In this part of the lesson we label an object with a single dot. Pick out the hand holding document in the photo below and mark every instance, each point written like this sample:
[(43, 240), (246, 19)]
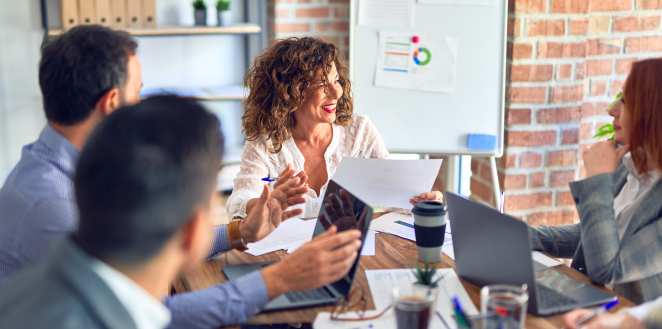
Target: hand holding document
[(387, 183)]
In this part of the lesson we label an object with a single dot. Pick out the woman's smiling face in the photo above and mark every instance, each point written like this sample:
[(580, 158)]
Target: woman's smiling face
[(321, 97)]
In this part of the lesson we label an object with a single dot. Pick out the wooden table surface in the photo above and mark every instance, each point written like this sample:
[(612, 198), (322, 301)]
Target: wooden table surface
[(391, 252)]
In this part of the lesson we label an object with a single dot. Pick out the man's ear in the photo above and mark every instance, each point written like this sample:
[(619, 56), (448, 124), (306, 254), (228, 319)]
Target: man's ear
[(196, 236), (109, 101)]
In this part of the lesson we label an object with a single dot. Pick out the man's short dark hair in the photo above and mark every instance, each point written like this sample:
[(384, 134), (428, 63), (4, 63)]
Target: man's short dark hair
[(79, 66), (142, 173)]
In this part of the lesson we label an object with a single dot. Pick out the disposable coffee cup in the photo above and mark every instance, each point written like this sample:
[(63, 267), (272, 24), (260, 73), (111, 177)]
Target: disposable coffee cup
[(430, 227)]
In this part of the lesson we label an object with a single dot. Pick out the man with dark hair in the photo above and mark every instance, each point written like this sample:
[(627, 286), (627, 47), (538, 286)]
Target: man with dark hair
[(85, 74), (144, 185)]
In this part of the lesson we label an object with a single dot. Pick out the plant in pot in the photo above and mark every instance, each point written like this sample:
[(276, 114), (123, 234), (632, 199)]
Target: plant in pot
[(224, 13), (200, 12)]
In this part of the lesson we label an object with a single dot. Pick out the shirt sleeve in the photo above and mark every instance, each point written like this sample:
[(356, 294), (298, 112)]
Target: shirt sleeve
[(220, 243), (248, 184), (46, 222), (222, 305)]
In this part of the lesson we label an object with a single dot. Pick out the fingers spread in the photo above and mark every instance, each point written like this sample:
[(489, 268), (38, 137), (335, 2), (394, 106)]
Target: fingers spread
[(291, 213)]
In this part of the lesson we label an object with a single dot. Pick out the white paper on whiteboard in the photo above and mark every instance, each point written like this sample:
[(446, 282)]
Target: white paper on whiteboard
[(393, 13), (428, 65), (387, 183), (459, 2)]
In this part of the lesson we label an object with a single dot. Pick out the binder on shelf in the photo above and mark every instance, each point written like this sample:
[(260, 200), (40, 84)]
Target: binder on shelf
[(149, 13), (69, 13), (102, 9), (86, 12), (118, 13), (134, 13)]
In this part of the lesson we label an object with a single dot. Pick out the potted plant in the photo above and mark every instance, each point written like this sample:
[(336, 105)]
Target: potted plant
[(200, 12), (608, 129), (425, 277), (224, 13)]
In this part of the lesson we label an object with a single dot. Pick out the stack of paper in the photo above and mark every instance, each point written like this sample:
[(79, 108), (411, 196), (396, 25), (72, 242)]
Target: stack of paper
[(293, 233)]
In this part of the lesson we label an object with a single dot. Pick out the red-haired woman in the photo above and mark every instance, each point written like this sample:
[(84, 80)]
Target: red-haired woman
[(619, 239), (299, 119)]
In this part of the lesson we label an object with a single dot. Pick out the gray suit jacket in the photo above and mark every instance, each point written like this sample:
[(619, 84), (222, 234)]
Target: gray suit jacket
[(635, 265), (61, 292)]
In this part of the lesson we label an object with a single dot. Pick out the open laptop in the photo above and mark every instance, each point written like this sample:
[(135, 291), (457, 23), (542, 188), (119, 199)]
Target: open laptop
[(358, 215), (491, 248)]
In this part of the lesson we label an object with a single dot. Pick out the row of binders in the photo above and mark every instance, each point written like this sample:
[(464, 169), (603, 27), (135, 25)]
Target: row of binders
[(112, 13)]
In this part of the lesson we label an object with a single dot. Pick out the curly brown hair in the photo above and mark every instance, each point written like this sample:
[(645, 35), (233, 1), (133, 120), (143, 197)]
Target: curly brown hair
[(277, 80)]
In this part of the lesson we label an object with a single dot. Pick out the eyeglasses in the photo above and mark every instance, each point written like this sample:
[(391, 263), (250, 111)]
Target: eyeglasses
[(355, 299)]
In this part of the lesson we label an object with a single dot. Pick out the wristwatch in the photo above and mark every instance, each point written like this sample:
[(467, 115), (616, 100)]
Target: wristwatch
[(236, 240)]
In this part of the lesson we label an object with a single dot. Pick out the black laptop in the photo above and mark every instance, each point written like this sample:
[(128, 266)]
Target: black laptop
[(349, 213), (492, 248)]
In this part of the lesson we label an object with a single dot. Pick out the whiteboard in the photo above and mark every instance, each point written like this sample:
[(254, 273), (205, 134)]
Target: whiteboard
[(437, 123)]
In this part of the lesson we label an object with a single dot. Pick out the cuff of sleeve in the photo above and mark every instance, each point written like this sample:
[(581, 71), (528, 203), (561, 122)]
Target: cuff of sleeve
[(241, 214), (220, 244), (596, 186), (253, 287)]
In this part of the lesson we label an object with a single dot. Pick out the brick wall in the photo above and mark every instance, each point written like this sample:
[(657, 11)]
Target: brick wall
[(567, 60), (323, 18)]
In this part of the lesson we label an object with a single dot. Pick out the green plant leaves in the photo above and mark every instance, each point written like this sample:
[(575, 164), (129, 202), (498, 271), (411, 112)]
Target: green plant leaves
[(608, 129), (424, 276)]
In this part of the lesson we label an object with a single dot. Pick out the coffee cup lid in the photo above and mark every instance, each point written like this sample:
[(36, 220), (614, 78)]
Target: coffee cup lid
[(429, 208)]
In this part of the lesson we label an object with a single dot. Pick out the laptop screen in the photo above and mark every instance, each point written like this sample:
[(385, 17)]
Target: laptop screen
[(346, 211)]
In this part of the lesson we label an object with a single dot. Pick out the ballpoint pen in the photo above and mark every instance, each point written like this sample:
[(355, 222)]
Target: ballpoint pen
[(461, 318), (271, 179), (595, 312)]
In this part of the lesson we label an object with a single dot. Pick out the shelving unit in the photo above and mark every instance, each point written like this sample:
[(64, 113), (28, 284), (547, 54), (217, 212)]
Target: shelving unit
[(239, 28)]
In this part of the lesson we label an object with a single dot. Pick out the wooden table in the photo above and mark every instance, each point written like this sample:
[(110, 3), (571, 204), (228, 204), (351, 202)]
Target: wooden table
[(391, 252)]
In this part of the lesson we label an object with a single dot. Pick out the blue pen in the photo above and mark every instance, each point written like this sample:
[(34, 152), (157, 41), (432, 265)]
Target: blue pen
[(270, 179), (461, 317), (589, 316)]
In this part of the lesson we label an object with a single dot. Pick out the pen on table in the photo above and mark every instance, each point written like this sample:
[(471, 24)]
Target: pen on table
[(462, 320), (589, 316)]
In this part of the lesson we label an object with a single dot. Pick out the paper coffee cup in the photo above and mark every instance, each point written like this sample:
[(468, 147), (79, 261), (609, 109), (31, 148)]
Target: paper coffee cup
[(430, 227)]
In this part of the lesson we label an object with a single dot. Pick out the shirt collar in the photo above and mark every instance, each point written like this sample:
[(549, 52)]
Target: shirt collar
[(145, 310), (653, 175), (66, 153)]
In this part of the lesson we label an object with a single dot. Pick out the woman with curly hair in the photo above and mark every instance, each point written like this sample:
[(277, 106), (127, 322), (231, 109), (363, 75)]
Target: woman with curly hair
[(299, 119)]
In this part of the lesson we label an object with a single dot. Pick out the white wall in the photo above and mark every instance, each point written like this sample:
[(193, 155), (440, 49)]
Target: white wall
[(195, 61)]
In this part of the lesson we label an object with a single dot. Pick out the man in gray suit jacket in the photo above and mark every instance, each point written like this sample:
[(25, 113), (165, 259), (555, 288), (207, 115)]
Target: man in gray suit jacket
[(144, 186)]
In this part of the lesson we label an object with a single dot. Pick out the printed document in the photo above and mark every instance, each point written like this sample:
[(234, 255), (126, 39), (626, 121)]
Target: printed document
[(393, 13), (387, 183), (427, 64)]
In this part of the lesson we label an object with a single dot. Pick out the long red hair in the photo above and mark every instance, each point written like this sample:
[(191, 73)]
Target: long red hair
[(643, 106)]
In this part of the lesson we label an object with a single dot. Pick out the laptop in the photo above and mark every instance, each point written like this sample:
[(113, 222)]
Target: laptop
[(358, 216), (492, 248)]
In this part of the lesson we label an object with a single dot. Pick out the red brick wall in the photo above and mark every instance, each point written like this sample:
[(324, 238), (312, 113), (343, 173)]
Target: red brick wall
[(323, 18), (567, 59)]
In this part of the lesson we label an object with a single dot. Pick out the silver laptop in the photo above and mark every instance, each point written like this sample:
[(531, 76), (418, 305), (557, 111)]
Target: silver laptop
[(491, 247), (348, 213)]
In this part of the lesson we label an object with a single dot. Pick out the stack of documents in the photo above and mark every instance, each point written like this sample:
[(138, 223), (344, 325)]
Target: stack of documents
[(403, 226), (293, 233), (381, 284)]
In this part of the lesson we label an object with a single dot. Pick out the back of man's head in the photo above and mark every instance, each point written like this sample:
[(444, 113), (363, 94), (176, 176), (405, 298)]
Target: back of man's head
[(79, 66), (142, 174)]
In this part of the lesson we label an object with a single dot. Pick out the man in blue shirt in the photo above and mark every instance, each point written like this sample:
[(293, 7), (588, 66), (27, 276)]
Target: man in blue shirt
[(86, 74), (144, 186)]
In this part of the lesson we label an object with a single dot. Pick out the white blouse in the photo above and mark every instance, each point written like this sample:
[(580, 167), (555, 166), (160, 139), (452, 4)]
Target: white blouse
[(358, 139)]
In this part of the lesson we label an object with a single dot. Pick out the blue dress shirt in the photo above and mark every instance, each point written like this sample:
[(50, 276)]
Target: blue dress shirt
[(37, 208)]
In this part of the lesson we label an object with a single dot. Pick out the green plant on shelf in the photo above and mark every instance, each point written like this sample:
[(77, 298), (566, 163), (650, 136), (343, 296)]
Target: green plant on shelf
[(222, 5), (424, 276), (608, 129), (199, 4)]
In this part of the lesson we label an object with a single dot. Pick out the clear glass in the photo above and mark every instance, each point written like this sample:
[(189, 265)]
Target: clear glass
[(507, 301), (414, 306)]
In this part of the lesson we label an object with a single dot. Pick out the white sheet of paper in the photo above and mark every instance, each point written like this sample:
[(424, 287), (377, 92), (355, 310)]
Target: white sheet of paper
[(545, 260), (288, 232), (367, 250), (388, 223), (459, 2), (387, 183), (381, 284), (428, 65), (394, 13), (448, 250)]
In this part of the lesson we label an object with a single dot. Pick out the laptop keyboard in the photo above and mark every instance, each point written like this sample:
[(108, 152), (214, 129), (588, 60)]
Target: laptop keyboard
[(308, 295), (549, 298)]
